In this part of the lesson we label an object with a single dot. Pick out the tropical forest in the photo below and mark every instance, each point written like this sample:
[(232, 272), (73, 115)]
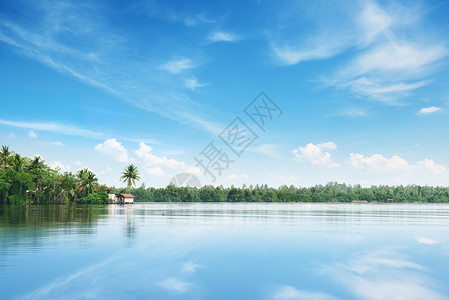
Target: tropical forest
[(25, 180)]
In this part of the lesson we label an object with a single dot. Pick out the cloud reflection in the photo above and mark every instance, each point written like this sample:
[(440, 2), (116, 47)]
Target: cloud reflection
[(426, 241), (291, 293), (175, 285), (385, 275), (190, 267)]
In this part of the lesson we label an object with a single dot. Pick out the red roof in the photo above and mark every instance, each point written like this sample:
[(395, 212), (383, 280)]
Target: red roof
[(127, 195)]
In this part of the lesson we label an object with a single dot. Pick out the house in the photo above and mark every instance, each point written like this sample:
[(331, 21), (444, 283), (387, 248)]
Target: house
[(389, 200), (119, 198), (125, 198), (111, 195)]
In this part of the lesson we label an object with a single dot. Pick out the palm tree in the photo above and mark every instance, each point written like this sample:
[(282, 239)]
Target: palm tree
[(87, 181), (17, 163), (130, 175), (4, 156), (37, 163)]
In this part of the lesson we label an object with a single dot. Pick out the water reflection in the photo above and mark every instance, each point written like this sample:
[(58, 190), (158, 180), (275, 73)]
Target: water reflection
[(225, 251)]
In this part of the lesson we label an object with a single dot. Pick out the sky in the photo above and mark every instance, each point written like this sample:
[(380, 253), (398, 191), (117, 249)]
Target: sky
[(352, 91)]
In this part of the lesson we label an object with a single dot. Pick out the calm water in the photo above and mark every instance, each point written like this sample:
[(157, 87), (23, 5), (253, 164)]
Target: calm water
[(225, 251)]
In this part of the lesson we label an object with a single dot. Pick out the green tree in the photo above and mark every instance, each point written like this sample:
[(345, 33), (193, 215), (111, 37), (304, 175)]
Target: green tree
[(4, 157), (87, 181), (17, 163), (130, 175)]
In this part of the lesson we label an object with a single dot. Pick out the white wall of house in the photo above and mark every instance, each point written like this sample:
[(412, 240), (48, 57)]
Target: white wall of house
[(129, 200), (112, 198)]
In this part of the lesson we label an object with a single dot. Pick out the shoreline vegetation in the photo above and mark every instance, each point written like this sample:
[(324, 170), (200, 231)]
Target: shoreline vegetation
[(26, 180)]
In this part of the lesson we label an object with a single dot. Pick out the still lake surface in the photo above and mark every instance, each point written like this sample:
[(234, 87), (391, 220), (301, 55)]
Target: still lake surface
[(225, 251)]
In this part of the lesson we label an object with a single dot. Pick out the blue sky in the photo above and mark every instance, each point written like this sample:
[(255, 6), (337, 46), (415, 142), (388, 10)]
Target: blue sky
[(362, 86)]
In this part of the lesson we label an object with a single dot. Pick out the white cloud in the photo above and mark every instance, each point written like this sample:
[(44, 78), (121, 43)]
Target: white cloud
[(78, 163), (53, 127), (221, 36), (390, 70), (175, 285), (428, 110), (396, 57), (379, 163), (391, 58), (375, 262), (178, 65), (140, 82), (268, 149), (196, 20), (237, 176), (193, 84), (32, 134), (430, 165), (380, 90), (373, 21), (384, 277), (59, 165), (114, 149), (289, 55), (315, 155), (291, 293), (156, 171), (145, 153), (327, 146), (11, 135), (190, 267), (426, 241), (58, 143)]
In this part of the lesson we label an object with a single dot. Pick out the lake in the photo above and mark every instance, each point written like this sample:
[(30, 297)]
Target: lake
[(225, 251)]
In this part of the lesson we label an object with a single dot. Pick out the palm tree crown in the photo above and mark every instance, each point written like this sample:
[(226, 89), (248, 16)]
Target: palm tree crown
[(87, 181), (4, 156), (17, 163), (130, 175)]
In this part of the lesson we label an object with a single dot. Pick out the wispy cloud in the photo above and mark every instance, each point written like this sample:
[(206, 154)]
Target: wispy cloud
[(142, 81), (32, 134), (290, 55), (175, 285), (54, 127), (291, 293), (196, 20), (222, 36), (428, 110), (267, 149), (178, 65), (193, 84), (391, 70), (387, 58)]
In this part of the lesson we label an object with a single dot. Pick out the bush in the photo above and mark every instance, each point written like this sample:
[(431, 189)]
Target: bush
[(96, 198)]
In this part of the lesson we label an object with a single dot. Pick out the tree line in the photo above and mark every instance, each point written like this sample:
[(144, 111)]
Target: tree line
[(331, 192), (29, 180)]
